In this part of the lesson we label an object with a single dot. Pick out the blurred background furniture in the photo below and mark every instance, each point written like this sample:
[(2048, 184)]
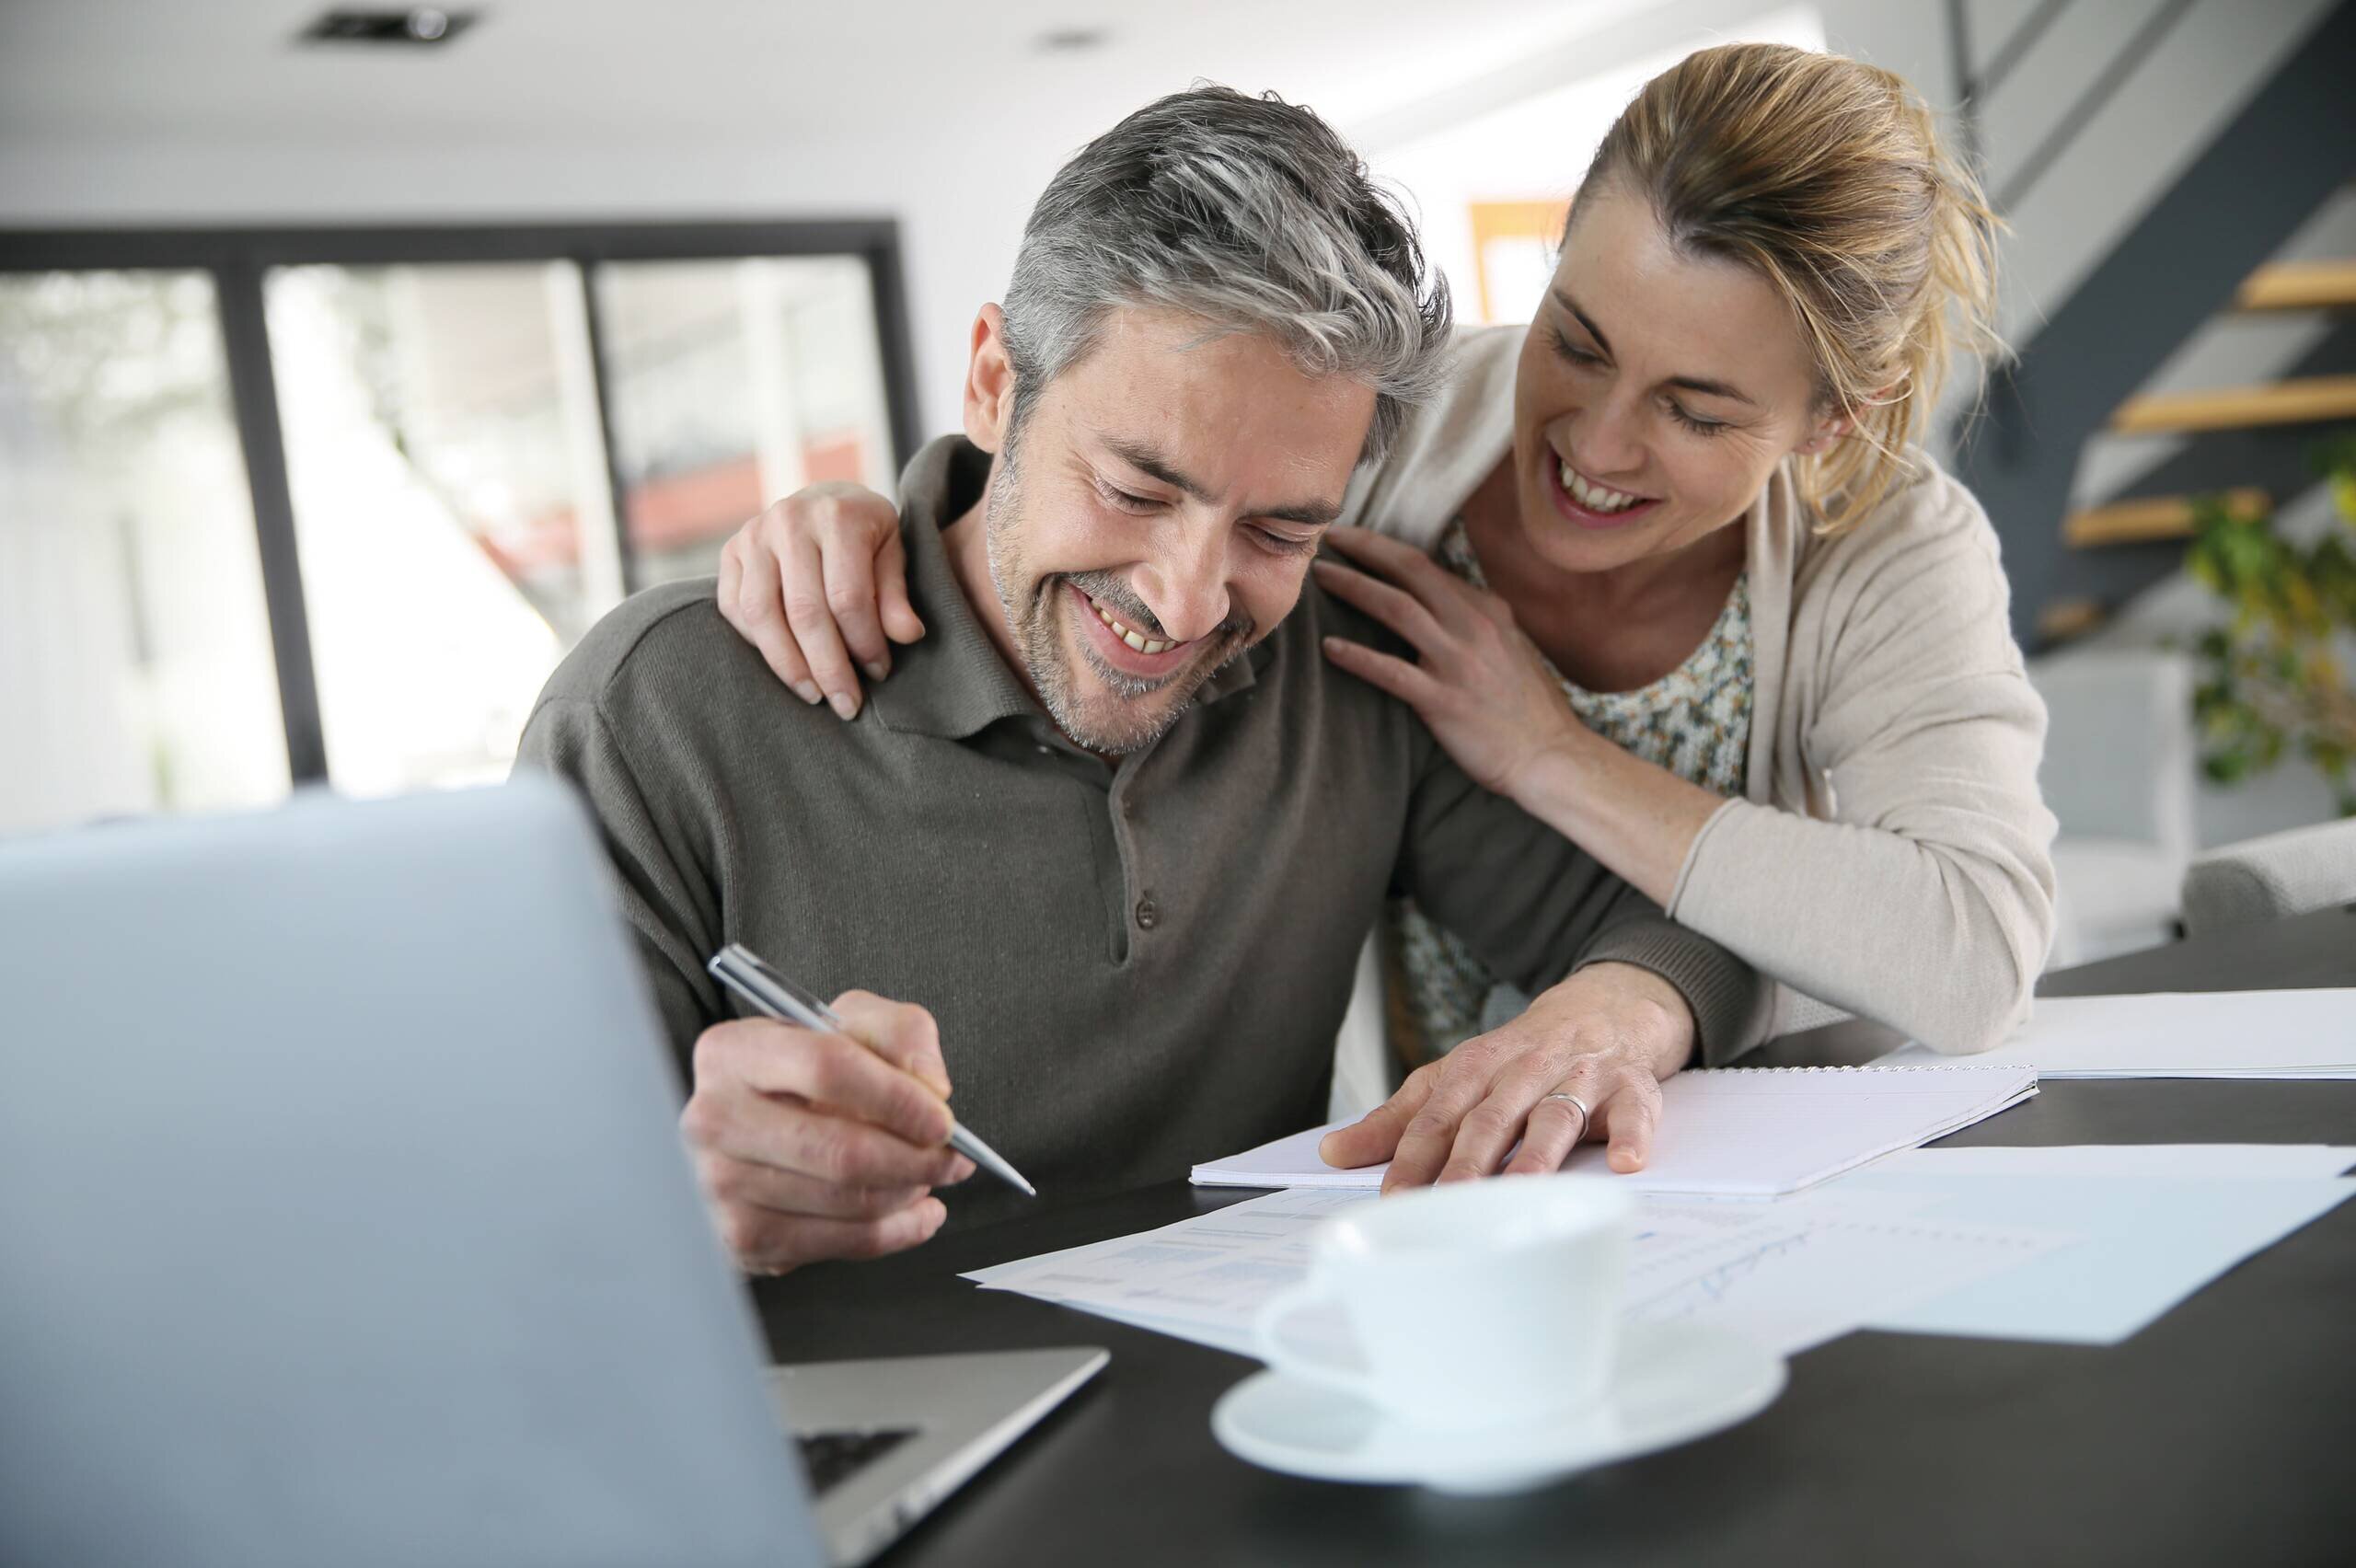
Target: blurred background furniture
[(2270, 878), (2119, 775)]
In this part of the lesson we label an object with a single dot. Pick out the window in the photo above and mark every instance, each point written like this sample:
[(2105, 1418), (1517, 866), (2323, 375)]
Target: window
[(278, 507), (735, 383), (451, 509), (135, 670)]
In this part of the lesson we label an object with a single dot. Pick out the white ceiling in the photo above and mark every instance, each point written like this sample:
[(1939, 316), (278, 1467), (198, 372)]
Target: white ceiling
[(535, 71)]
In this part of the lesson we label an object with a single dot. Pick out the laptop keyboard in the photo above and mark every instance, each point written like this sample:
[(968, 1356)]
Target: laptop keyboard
[(832, 1457)]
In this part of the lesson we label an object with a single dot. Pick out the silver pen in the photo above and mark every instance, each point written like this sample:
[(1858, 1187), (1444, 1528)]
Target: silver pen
[(742, 971)]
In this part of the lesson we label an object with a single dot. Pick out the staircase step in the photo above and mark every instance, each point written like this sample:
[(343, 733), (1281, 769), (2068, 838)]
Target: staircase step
[(2312, 400), (2155, 517), (2300, 285)]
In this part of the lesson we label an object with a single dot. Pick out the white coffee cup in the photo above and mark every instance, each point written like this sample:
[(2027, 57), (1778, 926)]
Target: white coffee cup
[(1474, 1304)]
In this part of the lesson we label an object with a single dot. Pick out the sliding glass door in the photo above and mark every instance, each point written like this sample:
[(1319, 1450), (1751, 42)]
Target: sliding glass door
[(451, 509)]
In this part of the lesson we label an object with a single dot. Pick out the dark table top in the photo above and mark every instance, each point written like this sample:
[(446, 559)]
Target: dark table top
[(2225, 1432)]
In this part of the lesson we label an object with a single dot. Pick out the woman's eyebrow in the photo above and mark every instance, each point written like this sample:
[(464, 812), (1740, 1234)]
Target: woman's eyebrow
[(1701, 384)]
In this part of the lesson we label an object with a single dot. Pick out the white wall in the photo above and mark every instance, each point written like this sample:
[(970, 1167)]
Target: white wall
[(1536, 148)]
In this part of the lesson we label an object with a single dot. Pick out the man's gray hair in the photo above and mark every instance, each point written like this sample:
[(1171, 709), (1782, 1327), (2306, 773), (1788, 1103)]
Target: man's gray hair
[(1249, 212)]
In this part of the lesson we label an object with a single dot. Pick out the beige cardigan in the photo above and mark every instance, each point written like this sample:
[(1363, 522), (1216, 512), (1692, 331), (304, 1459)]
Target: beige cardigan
[(1890, 854)]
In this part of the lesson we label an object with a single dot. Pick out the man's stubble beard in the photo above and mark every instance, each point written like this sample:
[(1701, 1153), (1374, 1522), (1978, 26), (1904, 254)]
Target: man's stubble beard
[(1035, 621)]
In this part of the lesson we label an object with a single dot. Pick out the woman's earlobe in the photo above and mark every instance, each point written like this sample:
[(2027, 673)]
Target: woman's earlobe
[(1826, 434), (1833, 428)]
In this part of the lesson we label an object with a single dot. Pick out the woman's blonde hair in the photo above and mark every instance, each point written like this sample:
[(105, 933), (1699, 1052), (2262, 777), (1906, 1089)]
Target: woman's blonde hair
[(1828, 178)]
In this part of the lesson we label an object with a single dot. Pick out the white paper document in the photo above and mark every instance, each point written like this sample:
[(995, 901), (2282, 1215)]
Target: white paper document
[(2146, 1243), (2247, 1034), (1729, 1132), (1202, 1279), (1787, 1275), (1796, 1273)]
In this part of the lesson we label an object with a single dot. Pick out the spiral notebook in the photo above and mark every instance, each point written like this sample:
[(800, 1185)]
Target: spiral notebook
[(1729, 1132)]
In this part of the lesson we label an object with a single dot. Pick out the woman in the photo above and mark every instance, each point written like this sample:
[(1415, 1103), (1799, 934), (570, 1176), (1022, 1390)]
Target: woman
[(1701, 602)]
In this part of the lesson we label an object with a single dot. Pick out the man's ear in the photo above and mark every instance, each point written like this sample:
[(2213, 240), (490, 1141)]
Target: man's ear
[(989, 383)]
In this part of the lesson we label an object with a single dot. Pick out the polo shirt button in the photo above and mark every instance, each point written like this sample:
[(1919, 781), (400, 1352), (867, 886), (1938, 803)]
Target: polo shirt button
[(1148, 913)]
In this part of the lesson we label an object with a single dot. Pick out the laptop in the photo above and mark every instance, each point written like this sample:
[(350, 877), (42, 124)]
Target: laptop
[(343, 1218)]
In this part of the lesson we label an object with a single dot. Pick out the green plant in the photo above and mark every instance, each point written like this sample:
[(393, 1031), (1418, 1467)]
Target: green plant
[(2274, 676)]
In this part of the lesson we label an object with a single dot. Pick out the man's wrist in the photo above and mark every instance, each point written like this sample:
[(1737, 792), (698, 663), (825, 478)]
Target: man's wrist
[(1659, 1019)]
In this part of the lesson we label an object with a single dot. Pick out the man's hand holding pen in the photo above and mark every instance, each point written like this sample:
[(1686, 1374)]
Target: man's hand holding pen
[(812, 1146)]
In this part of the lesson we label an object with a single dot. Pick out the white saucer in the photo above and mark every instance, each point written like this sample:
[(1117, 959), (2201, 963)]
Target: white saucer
[(1673, 1382)]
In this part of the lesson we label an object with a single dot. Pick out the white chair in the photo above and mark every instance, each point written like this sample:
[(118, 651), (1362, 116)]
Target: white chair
[(2120, 775), (2272, 878)]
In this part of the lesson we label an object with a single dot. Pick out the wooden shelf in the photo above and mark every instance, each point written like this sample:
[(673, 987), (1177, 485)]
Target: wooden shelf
[(2154, 517), (2315, 400), (2065, 618), (2300, 285)]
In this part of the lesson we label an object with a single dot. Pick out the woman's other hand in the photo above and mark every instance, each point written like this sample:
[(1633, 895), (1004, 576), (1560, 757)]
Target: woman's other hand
[(818, 580), (1479, 683)]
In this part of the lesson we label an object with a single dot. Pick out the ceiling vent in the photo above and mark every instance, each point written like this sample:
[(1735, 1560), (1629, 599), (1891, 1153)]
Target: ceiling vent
[(414, 26)]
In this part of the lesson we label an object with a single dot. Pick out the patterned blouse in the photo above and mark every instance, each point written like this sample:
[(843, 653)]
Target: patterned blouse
[(1695, 720)]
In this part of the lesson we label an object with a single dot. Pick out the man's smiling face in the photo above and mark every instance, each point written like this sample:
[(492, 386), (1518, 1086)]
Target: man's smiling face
[(1156, 514)]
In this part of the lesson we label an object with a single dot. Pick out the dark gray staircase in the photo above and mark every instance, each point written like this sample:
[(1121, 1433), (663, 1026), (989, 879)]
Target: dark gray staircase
[(2287, 151)]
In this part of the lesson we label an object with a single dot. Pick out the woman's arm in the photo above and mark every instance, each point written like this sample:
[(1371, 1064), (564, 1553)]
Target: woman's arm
[(1484, 692), (1927, 903), (1482, 689), (1635, 816)]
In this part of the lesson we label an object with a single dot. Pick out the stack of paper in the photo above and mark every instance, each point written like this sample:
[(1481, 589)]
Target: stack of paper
[(2220, 1034), (1735, 1132)]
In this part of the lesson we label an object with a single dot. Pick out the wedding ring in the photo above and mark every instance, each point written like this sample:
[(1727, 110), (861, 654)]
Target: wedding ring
[(1586, 1115)]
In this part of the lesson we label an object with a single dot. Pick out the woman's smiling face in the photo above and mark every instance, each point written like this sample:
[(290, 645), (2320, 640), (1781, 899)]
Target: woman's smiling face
[(1656, 394)]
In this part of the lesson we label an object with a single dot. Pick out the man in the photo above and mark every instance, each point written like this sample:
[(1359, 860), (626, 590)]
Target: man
[(1112, 835)]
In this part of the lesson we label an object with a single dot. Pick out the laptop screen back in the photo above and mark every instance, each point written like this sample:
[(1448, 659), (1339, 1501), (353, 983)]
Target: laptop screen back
[(343, 1211)]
